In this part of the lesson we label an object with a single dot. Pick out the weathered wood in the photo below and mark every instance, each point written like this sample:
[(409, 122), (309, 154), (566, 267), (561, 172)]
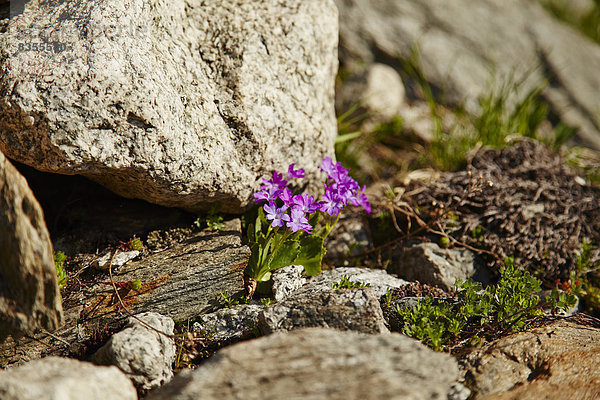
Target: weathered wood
[(182, 282)]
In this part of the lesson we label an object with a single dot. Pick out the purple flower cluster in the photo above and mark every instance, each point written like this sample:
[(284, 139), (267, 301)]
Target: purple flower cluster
[(341, 191)]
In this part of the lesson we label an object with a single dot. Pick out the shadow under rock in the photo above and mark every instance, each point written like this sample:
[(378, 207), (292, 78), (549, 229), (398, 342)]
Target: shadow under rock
[(83, 216)]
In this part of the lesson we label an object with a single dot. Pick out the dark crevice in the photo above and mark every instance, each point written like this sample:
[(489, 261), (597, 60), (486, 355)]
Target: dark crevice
[(138, 121)]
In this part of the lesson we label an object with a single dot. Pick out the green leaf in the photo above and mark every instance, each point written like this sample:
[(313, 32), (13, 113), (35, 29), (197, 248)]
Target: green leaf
[(260, 221), (347, 136), (252, 269), (265, 252), (251, 233), (284, 255), (311, 254)]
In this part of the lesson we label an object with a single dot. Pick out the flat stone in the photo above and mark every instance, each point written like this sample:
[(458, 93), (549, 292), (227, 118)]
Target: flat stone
[(182, 282), (29, 294), (317, 363), (379, 280), (55, 378), (559, 361), (182, 104), (143, 354), (344, 309)]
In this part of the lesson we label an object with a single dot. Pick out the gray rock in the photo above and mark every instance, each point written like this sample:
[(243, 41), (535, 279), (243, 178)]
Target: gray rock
[(178, 103), (29, 295), (181, 282), (348, 238), (464, 51), (559, 361), (378, 90), (344, 309), (458, 391), (319, 363), (286, 280), (229, 324), (142, 353), (429, 263), (55, 378), (379, 280)]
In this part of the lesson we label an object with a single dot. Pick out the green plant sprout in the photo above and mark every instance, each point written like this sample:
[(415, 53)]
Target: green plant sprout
[(346, 283), (59, 264), (229, 300), (505, 306), (132, 244), (388, 297), (213, 221), (135, 244), (266, 301)]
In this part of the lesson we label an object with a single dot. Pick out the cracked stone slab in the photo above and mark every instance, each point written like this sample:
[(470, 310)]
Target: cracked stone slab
[(181, 282)]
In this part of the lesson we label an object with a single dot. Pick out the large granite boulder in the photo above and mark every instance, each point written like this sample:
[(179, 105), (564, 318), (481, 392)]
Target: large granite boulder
[(29, 295), (465, 49), (182, 104)]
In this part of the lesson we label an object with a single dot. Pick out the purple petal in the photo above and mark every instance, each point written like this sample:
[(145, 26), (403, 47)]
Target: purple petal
[(295, 173)]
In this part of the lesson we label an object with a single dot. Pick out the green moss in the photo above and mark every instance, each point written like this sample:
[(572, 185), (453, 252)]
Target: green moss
[(59, 263)]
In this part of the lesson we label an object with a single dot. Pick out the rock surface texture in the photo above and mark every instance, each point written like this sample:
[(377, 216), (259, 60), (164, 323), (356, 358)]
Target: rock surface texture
[(55, 378), (464, 49), (379, 280), (144, 354), (429, 263), (181, 282), (229, 324), (344, 309), (286, 280), (182, 104), (559, 361), (319, 364), (29, 295)]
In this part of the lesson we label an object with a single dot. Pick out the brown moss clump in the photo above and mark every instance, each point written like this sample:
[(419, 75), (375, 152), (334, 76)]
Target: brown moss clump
[(522, 202)]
